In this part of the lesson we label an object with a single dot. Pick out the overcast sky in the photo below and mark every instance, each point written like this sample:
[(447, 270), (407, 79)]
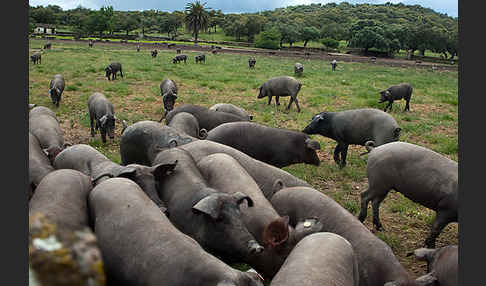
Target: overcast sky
[(442, 6)]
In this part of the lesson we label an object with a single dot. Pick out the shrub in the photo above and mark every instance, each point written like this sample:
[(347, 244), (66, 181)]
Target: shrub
[(330, 43), (269, 39)]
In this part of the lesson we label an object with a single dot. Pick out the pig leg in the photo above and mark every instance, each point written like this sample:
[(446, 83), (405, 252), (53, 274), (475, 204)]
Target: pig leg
[(269, 99), (442, 219), (296, 103), (337, 150), (91, 124), (376, 212), (290, 102), (344, 154), (407, 105), (121, 72), (365, 199), (277, 99)]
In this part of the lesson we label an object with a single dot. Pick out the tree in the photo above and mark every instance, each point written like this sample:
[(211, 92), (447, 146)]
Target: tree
[(43, 15), (130, 22), (334, 30), (330, 43), (235, 25), (268, 39), (253, 25), (289, 33), (100, 21), (216, 18), (309, 33), (197, 18), (169, 24)]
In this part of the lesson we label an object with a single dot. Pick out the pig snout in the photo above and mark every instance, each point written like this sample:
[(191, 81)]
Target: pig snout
[(254, 247)]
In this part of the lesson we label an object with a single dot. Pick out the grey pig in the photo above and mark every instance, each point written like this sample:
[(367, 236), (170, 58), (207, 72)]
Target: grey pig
[(251, 62), (377, 264), (36, 57), (275, 146), (200, 58), (231, 108), (265, 175), (141, 141), (420, 174), (62, 196), (146, 249), (298, 69), (442, 265), (56, 87), (168, 90), (187, 123), (99, 168), (281, 86), (355, 126), (211, 217), (224, 173), (394, 92), (322, 258), (208, 119), (43, 124), (112, 69), (179, 58), (102, 114), (39, 164)]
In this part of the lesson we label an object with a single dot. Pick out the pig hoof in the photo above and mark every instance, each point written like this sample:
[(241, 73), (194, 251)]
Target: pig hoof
[(380, 228)]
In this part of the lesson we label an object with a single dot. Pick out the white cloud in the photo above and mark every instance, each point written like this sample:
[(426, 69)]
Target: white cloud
[(67, 4)]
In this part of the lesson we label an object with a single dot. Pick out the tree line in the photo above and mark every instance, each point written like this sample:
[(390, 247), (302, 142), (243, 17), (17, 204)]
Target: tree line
[(385, 27)]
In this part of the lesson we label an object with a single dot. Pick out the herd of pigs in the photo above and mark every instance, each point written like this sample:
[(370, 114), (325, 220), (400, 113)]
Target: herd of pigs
[(206, 190)]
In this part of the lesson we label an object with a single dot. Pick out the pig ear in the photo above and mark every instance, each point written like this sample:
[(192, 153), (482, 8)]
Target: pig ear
[(126, 172), (172, 143), (240, 197), (67, 144), (423, 254), (209, 205), (396, 132), (203, 133), (277, 186), (427, 280), (162, 170), (312, 144), (103, 120), (276, 232)]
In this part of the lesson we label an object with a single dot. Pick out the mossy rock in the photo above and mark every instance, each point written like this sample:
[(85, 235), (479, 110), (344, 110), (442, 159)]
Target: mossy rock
[(63, 257)]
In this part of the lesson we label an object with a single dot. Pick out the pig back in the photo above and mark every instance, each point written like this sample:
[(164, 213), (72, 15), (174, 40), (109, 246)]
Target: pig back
[(62, 196), (141, 247), (319, 259), (357, 126), (43, 124), (140, 142), (264, 174), (376, 261), (420, 174), (39, 165)]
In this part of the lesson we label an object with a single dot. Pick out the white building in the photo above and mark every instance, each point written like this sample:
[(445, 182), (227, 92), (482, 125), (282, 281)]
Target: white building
[(44, 29)]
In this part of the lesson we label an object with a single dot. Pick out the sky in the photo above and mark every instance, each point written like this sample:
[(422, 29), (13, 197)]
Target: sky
[(449, 7)]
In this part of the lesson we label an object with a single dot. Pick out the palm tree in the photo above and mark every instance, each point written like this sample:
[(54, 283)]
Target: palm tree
[(197, 18)]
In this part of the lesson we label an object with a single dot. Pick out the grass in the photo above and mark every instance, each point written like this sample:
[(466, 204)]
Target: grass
[(432, 121)]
